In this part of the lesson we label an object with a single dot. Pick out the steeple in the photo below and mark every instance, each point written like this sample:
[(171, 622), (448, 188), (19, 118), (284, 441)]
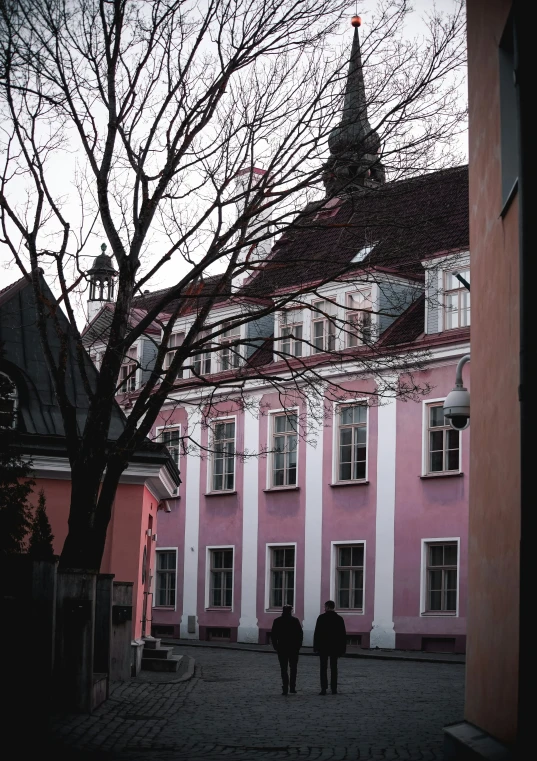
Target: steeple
[(102, 277), (354, 147)]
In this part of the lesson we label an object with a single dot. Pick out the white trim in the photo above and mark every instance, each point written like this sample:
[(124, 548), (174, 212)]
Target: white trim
[(269, 546), (248, 630), (335, 441), (313, 524), (158, 431), (425, 440), (270, 439), (154, 580), (208, 549), (333, 563), (209, 474), (383, 631), (423, 574), (191, 540)]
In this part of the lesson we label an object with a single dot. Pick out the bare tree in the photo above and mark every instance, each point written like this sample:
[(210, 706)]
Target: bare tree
[(155, 109)]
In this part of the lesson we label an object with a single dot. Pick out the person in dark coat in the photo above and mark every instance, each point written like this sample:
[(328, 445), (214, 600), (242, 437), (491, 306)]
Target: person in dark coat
[(330, 641), (286, 637)]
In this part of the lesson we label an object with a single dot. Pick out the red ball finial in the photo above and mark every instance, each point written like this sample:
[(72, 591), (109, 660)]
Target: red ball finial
[(356, 21)]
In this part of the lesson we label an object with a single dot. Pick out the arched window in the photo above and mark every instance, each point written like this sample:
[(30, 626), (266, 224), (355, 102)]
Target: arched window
[(8, 402)]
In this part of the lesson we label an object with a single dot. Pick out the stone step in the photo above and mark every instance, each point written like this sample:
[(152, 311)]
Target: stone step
[(162, 664), (157, 652), (151, 643)]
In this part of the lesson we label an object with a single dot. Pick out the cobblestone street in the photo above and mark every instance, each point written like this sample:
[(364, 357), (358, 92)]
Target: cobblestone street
[(232, 707)]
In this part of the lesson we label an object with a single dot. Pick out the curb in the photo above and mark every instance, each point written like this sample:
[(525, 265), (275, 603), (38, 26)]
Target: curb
[(370, 656)]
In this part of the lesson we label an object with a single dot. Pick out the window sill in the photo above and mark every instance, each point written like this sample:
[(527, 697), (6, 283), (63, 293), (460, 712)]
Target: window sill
[(282, 488), (349, 612), (219, 493), (458, 474), (439, 614), (349, 483), (164, 607), (219, 609)]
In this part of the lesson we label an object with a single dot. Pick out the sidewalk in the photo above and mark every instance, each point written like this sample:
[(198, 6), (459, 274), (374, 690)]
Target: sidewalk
[(352, 652)]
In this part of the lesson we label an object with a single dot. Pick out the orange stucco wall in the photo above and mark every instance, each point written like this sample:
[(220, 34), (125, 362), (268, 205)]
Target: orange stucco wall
[(126, 539), (494, 528)]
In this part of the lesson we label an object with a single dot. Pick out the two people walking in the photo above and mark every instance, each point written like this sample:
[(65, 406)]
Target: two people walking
[(329, 641)]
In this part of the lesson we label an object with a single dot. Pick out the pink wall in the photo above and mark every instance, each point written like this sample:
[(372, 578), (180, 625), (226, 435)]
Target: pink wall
[(427, 508)]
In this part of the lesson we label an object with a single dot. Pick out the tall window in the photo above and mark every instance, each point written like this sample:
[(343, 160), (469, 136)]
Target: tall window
[(174, 342), (352, 442), (441, 578), (456, 300), (443, 442), (291, 333), (358, 318), (127, 371), (230, 355), (324, 328), (350, 577), (166, 578), (8, 402), (223, 458), (284, 446), (282, 576), (221, 579), (171, 437)]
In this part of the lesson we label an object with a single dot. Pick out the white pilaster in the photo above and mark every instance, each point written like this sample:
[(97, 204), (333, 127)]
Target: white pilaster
[(248, 625), (383, 633), (192, 515), (313, 530)]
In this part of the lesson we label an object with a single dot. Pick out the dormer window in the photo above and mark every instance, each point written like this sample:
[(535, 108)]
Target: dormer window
[(363, 252), (323, 326), (174, 342), (8, 402), (127, 372), (291, 333), (230, 355), (330, 209), (456, 300), (358, 318)]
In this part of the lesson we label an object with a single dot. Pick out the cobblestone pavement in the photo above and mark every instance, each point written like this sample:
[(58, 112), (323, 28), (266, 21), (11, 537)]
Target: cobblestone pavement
[(232, 708)]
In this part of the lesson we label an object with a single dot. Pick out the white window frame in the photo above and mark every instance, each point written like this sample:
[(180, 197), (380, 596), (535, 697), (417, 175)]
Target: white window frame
[(426, 403), (154, 580), (203, 357), (210, 548), (134, 378), (236, 354), (170, 351), (270, 437), (212, 423), (158, 432), (335, 440), (449, 272), (315, 317), (293, 342), (268, 566), (347, 335), (333, 565), (423, 575)]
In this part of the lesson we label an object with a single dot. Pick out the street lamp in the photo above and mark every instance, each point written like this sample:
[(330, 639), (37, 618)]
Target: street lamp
[(457, 403)]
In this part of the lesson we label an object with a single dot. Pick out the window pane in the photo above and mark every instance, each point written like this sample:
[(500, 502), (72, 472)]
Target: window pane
[(437, 463), (450, 554), (359, 470), (361, 435), (228, 558), (453, 459), (347, 415), (217, 482), (452, 439), (345, 437), (450, 602), (357, 556), (345, 471), (359, 413), (289, 555), (436, 416), (277, 558), (217, 559), (344, 579), (345, 556), (280, 423), (344, 598), (435, 601), (436, 555)]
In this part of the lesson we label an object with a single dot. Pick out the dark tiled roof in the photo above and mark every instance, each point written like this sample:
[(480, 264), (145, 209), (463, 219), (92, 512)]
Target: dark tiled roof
[(408, 327), (407, 220), (192, 300)]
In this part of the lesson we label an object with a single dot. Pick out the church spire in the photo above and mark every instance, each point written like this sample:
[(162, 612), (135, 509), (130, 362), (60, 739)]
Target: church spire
[(354, 146)]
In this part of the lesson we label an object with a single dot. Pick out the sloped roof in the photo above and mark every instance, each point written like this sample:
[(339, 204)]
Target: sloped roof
[(217, 286), (407, 221)]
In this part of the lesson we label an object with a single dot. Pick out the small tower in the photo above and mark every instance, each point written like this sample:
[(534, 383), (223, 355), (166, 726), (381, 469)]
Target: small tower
[(102, 277), (354, 161)]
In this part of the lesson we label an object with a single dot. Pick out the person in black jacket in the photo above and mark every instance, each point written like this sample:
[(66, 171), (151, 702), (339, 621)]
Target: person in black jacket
[(286, 637), (330, 641)]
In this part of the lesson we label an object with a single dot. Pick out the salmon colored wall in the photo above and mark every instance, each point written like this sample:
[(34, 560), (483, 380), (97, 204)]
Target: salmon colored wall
[(126, 534), (494, 528)]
